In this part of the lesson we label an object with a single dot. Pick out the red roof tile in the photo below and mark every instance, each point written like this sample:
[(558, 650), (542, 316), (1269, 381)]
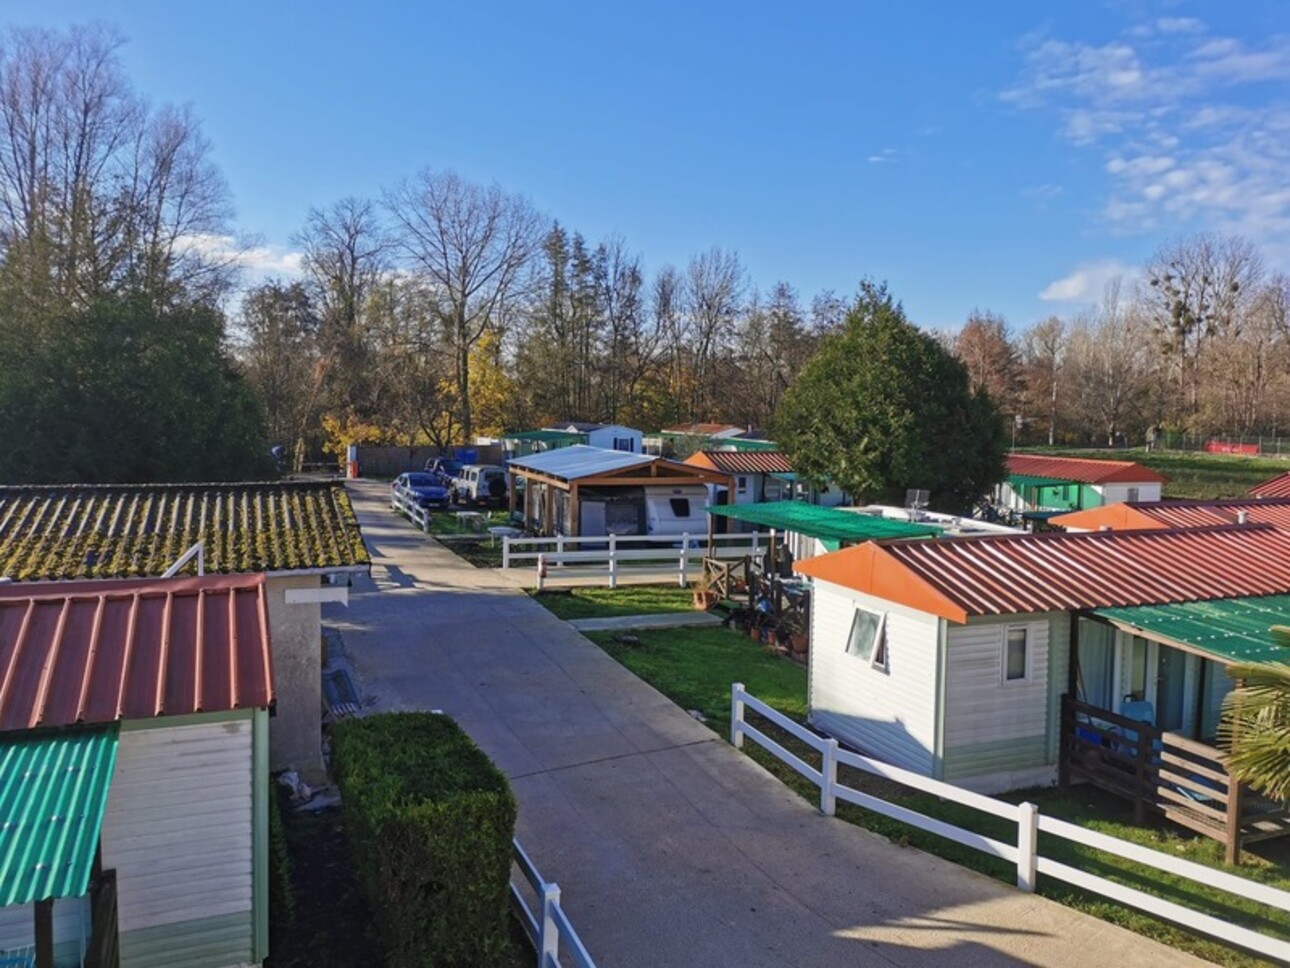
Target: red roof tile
[(1279, 486), (742, 461), (1135, 515), (1083, 470), (1018, 574), (100, 651)]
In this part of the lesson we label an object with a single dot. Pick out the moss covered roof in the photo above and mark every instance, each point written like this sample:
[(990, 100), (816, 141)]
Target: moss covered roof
[(67, 531)]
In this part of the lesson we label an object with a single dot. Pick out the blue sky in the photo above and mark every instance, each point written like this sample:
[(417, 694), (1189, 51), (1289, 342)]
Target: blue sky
[(992, 155)]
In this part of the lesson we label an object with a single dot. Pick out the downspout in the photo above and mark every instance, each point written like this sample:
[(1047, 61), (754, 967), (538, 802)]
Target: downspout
[(942, 690)]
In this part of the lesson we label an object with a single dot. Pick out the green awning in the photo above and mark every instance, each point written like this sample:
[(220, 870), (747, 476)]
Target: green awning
[(1029, 480), (824, 523), (548, 437), (1227, 629), (53, 791)]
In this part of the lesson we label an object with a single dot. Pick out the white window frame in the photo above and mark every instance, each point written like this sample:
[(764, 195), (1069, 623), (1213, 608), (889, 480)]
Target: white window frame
[(1003, 655), (741, 484), (879, 658), (1131, 493)]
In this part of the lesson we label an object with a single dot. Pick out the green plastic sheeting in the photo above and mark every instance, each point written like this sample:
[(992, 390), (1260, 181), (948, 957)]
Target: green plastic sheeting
[(1228, 629), (823, 523)]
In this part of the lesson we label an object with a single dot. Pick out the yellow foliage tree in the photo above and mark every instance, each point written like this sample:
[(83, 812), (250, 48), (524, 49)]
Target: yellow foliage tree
[(492, 389)]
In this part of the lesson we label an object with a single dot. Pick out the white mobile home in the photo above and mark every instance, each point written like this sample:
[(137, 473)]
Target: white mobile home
[(1038, 483)]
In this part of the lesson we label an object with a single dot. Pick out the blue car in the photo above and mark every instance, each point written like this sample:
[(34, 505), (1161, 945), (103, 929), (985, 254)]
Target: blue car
[(423, 488)]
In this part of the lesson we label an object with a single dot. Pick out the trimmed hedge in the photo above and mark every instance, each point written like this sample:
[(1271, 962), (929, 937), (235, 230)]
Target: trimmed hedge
[(430, 820), (282, 895)]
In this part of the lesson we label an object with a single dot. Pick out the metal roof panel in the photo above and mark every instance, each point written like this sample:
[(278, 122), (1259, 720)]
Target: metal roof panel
[(1083, 470), (742, 461), (580, 460), (820, 522), (1279, 486), (1228, 630)]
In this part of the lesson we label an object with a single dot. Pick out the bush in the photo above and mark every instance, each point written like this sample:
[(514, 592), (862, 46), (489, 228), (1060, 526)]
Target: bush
[(430, 820), (282, 896)]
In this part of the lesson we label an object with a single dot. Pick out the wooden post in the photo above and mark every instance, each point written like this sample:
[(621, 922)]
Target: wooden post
[(548, 516), (45, 933), (510, 494), (574, 524), (1232, 827), (1065, 737), (1142, 762)]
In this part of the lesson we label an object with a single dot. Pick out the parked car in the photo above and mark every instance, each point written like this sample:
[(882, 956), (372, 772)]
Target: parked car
[(420, 487), (480, 484), (445, 469)]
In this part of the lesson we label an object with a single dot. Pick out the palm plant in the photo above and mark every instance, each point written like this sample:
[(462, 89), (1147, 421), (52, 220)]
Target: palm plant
[(1256, 723)]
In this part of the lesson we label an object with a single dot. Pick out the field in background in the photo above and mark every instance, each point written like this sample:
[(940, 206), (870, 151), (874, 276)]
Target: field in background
[(1191, 475)]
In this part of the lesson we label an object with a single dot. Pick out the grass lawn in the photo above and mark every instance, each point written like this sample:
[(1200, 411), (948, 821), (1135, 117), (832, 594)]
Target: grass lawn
[(695, 667), (1193, 475), (445, 522), (612, 602)]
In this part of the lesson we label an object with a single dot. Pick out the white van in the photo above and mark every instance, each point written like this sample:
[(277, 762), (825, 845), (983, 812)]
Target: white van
[(480, 484)]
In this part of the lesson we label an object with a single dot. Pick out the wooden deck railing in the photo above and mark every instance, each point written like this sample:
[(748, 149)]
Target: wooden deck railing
[(1162, 772)]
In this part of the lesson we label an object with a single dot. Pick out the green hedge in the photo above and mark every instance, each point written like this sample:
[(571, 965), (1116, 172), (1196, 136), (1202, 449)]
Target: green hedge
[(430, 820), (282, 896)]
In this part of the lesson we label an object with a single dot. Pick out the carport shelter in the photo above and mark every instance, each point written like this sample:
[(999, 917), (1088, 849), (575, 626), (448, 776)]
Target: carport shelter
[(811, 530), (134, 776), (557, 481), (303, 536)]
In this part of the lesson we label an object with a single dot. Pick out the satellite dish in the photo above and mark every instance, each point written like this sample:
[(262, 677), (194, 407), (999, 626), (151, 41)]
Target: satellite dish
[(916, 499)]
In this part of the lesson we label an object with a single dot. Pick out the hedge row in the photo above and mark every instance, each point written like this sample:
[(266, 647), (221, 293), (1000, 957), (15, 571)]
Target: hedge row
[(430, 820)]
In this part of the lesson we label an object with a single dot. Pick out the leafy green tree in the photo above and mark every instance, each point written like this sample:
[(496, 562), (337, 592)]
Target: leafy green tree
[(127, 391), (882, 407), (1256, 724)]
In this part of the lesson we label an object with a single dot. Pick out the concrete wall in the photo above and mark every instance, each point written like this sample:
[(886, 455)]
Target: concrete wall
[(295, 730)]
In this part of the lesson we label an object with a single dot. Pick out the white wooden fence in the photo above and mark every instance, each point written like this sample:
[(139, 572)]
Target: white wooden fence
[(547, 926), (612, 556), (1024, 852), (410, 509)]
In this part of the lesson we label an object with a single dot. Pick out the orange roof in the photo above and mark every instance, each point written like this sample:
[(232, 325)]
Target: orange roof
[(1135, 515), (742, 461), (1279, 486), (1084, 470), (1060, 571), (100, 651)]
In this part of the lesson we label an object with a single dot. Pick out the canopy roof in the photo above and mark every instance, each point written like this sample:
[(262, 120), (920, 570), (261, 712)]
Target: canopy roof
[(66, 531), (578, 461), (1031, 480), (100, 651), (1227, 630), (1279, 486), (1059, 571), (53, 792), (1130, 515), (1082, 470), (824, 523)]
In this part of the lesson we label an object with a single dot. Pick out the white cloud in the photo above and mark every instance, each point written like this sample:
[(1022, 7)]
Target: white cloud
[(1086, 282), (260, 261), (1188, 135), (884, 157)]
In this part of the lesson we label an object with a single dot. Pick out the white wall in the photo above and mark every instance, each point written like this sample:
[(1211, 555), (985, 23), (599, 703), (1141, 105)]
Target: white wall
[(296, 634), (1116, 493), (178, 831), (889, 714), (604, 437)]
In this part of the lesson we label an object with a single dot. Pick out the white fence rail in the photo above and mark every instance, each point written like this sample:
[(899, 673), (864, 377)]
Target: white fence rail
[(1024, 853), (409, 508), (548, 926), (613, 555)]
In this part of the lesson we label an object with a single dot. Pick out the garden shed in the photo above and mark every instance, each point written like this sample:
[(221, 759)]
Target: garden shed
[(302, 535), (1040, 483), (1148, 515), (988, 661), (134, 721), (584, 490)]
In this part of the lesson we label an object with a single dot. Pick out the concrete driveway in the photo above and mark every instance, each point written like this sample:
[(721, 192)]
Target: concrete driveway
[(671, 848)]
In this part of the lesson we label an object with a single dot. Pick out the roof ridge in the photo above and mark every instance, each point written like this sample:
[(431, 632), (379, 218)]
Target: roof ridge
[(1028, 537)]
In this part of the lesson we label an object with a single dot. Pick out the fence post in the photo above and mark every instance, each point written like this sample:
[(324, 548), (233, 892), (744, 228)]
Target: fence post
[(682, 578), (541, 571), (613, 561), (506, 551), (829, 778), (737, 715), (549, 931), (559, 549), (1027, 846), (425, 520)]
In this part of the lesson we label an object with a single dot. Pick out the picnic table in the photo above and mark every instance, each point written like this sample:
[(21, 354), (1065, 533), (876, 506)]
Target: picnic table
[(474, 520), (503, 531)]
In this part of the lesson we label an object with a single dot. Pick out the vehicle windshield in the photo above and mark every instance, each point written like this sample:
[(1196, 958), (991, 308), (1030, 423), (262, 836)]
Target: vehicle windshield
[(422, 480)]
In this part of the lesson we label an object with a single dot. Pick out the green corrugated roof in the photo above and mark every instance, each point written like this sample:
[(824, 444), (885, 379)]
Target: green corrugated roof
[(1229, 629), (825, 523), (548, 437), (1030, 480), (738, 443), (53, 790)]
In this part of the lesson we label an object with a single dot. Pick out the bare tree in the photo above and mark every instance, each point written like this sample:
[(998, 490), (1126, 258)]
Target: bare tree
[(474, 244), (991, 359), (1110, 362), (1043, 353), (714, 292), (673, 328)]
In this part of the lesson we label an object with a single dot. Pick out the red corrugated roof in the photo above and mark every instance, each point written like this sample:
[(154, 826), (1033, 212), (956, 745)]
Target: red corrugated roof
[(1279, 486), (100, 651), (1133, 515), (742, 461), (1018, 574), (1083, 470)]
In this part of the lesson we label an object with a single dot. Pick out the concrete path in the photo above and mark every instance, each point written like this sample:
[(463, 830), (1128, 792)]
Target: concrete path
[(661, 620), (672, 849)]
